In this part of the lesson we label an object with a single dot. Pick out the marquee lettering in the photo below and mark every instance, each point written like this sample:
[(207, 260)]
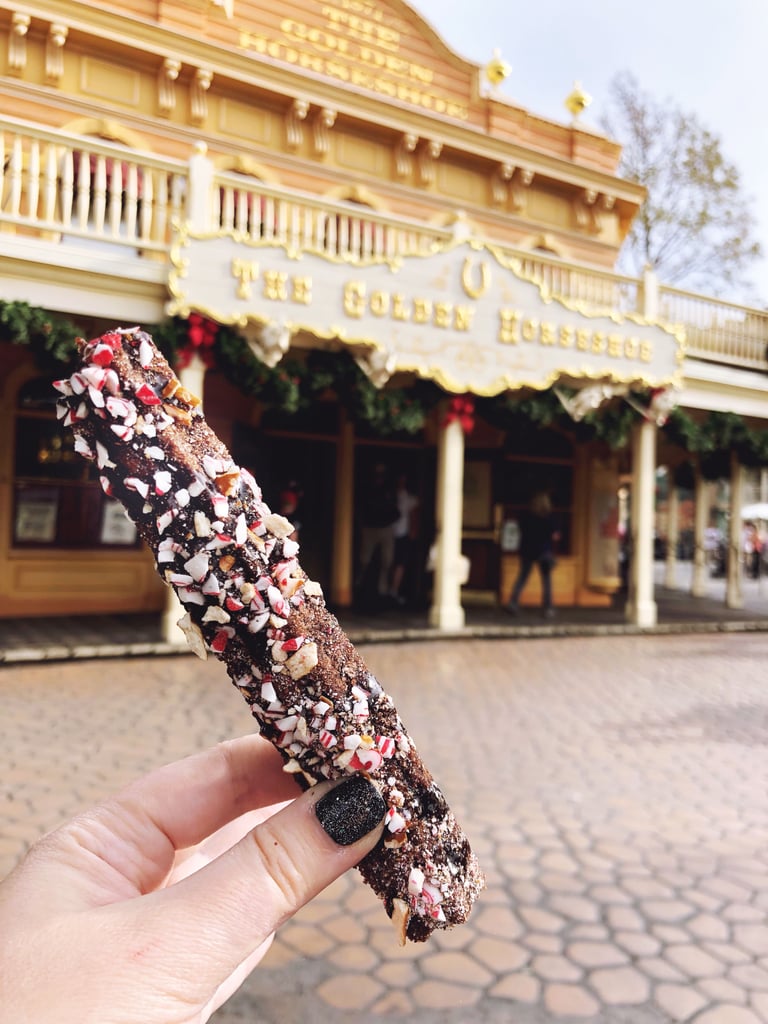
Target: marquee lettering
[(515, 327), (357, 301)]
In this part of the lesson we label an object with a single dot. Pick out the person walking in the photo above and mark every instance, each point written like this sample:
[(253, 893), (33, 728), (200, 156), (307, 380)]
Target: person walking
[(539, 534)]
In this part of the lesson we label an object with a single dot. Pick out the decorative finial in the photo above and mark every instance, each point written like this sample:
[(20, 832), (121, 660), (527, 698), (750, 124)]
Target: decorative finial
[(577, 101), (497, 69)]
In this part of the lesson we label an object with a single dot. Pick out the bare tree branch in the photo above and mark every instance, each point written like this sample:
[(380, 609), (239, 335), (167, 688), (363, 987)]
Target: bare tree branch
[(696, 227)]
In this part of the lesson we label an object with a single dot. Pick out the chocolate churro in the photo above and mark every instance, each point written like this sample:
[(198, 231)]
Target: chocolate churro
[(235, 568)]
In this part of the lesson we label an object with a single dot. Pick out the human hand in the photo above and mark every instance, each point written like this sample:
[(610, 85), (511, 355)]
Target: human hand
[(153, 907)]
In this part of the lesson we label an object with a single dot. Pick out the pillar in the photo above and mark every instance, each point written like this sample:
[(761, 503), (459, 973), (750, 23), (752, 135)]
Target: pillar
[(733, 595), (192, 377), (199, 189), (446, 611), (673, 532), (700, 522), (342, 568), (648, 295), (641, 608)]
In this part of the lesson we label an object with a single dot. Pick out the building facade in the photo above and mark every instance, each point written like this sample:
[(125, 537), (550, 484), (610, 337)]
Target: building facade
[(361, 254)]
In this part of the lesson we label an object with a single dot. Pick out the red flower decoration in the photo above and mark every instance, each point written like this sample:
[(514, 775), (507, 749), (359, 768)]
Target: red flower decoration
[(461, 408), (201, 335)]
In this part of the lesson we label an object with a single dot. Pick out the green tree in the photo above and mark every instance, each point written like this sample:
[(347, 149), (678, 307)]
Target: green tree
[(696, 226)]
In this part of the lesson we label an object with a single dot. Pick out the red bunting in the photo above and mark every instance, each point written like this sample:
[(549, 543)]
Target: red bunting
[(461, 408), (201, 335)]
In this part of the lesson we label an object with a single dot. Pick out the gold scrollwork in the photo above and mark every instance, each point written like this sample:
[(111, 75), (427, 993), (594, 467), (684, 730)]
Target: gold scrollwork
[(475, 291)]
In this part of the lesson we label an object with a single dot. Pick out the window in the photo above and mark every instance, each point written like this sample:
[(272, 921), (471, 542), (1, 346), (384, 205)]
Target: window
[(58, 500)]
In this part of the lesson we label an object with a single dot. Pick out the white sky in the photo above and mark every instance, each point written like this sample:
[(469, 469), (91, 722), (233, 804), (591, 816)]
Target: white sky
[(708, 58)]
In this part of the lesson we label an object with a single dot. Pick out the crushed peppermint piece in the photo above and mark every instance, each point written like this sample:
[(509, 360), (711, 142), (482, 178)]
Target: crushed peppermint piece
[(165, 520), (327, 739), (95, 375), (122, 431), (198, 566), (163, 481), (241, 530), (82, 447), (258, 622), (145, 394), (146, 354), (133, 483), (415, 881), (366, 760), (211, 587)]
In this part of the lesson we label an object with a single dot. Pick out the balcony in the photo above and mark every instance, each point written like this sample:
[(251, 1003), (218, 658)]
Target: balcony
[(85, 209)]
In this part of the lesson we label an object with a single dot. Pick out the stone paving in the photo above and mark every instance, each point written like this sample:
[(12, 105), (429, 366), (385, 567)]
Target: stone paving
[(614, 789)]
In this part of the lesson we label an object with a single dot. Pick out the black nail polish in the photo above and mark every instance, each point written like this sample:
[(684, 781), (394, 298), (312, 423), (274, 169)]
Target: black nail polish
[(350, 810)]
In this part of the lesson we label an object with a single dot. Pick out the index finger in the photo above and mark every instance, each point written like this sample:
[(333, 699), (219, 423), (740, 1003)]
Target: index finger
[(126, 846)]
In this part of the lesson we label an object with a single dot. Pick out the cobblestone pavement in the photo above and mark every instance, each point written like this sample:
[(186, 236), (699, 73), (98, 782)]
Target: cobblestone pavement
[(614, 789)]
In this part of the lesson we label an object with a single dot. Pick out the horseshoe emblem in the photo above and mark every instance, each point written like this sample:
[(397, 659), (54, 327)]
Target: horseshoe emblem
[(472, 290)]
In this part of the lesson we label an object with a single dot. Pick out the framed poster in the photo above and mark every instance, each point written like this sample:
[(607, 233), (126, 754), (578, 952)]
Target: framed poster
[(116, 527), (37, 511), (478, 495)]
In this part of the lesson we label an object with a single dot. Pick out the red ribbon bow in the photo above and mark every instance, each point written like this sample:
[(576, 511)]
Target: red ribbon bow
[(201, 335), (461, 408)]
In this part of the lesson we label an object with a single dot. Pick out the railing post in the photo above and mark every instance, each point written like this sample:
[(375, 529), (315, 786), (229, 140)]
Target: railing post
[(648, 294), (200, 189)]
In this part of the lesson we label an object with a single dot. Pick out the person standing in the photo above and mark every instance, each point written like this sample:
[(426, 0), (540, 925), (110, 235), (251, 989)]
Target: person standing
[(377, 515), (539, 534), (405, 532)]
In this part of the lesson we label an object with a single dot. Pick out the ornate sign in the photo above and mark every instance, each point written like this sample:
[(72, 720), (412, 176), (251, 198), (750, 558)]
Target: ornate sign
[(461, 315), (367, 45)]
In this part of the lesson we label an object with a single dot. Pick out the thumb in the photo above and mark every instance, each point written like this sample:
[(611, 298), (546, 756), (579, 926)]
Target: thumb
[(214, 919)]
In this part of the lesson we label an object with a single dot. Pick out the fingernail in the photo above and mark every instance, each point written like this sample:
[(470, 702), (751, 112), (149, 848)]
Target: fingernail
[(351, 810)]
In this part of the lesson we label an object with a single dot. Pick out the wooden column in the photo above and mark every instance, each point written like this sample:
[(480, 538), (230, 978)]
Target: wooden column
[(446, 611)]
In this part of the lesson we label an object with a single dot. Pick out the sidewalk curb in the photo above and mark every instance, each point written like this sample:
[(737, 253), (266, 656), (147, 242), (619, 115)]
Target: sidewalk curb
[(88, 652)]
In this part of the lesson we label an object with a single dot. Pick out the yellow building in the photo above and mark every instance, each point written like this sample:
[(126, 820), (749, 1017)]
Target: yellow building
[(323, 190)]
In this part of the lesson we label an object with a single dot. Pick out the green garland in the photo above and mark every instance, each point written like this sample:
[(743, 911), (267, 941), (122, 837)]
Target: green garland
[(294, 385), (50, 339)]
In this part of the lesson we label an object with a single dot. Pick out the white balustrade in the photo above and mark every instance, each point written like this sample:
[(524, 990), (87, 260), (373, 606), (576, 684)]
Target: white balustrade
[(69, 188), (717, 330), (75, 190)]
